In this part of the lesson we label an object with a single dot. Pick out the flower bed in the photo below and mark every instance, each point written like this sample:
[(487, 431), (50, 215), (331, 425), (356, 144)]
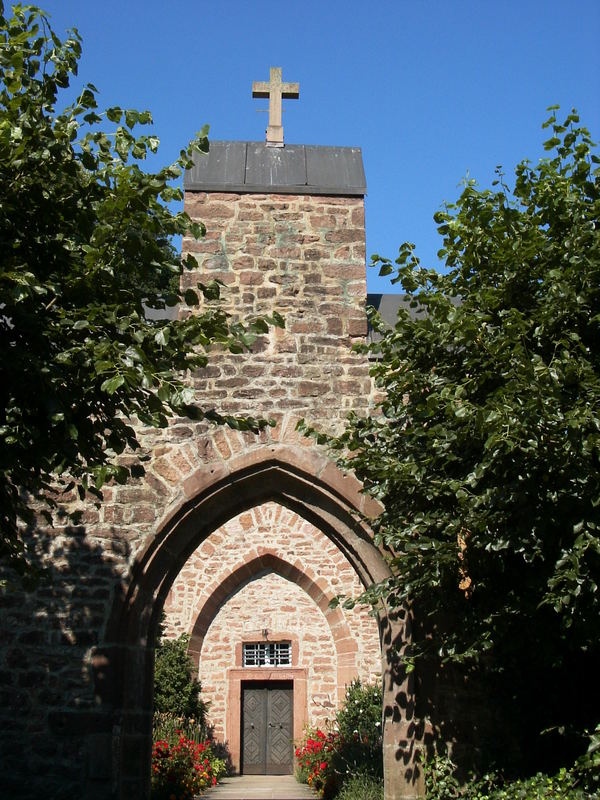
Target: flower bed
[(352, 745), (315, 760), (182, 768)]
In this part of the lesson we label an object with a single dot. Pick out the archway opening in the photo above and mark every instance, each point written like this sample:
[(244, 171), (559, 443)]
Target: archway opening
[(124, 667), (256, 598)]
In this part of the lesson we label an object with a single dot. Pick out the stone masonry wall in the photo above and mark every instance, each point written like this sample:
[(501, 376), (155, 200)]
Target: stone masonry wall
[(62, 729), (304, 257), (273, 602), (56, 736), (283, 609)]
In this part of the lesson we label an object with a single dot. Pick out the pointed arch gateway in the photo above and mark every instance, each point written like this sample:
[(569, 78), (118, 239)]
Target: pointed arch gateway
[(312, 486), (250, 569), (225, 585)]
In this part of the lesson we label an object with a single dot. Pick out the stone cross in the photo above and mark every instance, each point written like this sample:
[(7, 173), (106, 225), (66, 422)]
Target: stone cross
[(275, 89)]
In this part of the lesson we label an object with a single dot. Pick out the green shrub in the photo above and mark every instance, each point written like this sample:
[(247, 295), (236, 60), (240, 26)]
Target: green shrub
[(587, 766), (361, 787), (168, 726), (561, 786), (184, 760), (352, 747), (176, 691), (358, 724), (441, 783)]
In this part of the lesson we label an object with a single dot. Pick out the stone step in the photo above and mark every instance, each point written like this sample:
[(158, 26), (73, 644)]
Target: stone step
[(260, 787)]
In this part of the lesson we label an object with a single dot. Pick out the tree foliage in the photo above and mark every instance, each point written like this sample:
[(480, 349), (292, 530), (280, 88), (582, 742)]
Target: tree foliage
[(358, 723), (176, 691), (86, 246), (485, 446)]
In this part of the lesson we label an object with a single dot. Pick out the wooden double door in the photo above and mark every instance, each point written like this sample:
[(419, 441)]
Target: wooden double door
[(267, 728)]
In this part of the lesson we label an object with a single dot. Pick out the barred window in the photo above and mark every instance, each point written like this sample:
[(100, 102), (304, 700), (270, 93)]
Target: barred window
[(267, 654)]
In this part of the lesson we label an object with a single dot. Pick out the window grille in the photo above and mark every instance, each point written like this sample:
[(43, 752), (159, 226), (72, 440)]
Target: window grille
[(267, 654)]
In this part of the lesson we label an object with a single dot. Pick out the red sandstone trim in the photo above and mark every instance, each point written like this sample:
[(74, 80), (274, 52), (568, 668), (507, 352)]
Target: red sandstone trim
[(252, 565), (234, 702), (274, 636)]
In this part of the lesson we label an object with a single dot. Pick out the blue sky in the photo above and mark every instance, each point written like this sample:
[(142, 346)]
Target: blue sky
[(431, 91)]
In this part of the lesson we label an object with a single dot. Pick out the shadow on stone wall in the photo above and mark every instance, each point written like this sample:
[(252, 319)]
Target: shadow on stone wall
[(405, 734), (53, 737), (523, 718)]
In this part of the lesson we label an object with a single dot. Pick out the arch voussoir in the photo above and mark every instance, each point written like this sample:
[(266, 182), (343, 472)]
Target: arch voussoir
[(295, 477), (253, 567)]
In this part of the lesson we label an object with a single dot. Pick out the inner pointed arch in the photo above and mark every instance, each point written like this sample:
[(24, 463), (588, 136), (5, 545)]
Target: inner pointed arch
[(269, 561)]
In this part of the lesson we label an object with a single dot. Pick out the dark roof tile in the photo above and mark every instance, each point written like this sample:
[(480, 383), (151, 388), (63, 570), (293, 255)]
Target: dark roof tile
[(293, 169)]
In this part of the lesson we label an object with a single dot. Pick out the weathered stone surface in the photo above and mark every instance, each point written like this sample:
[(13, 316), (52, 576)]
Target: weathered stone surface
[(273, 602), (76, 654), (295, 258)]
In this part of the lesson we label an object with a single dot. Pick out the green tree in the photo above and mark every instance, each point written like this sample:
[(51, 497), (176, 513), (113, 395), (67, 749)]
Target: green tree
[(176, 691), (358, 723), (86, 247), (485, 449)]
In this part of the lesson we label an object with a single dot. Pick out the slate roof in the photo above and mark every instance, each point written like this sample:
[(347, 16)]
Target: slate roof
[(292, 169), (388, 306)]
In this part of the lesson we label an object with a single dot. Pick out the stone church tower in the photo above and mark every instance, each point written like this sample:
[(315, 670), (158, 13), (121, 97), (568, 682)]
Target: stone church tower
[(243, 539), (285, 233)]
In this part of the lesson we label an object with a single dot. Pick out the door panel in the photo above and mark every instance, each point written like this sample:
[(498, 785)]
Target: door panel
[(267, 728), (254, 731), (280, 731)]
